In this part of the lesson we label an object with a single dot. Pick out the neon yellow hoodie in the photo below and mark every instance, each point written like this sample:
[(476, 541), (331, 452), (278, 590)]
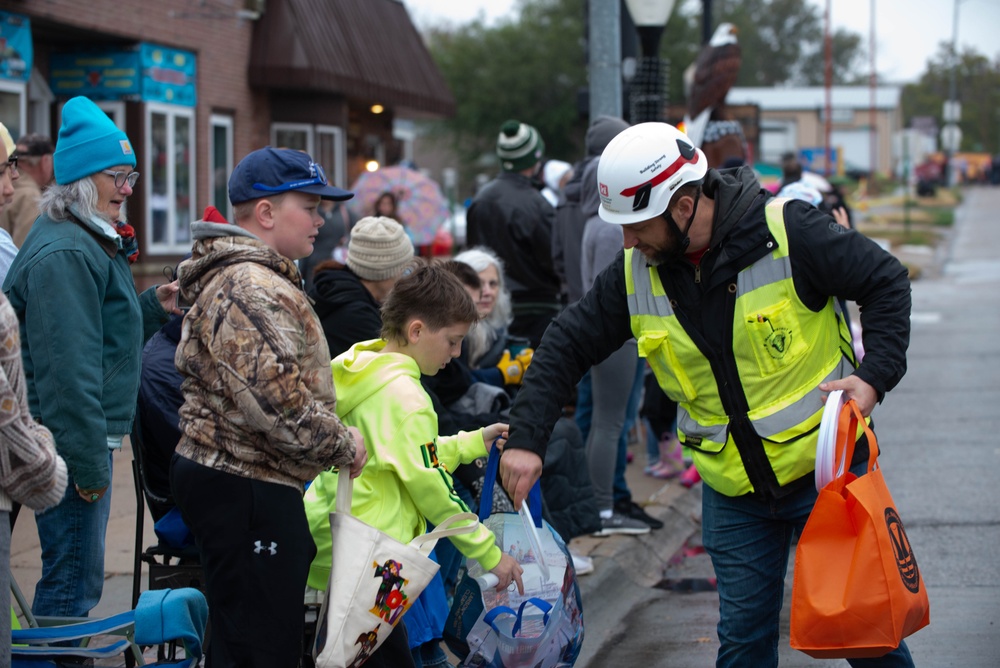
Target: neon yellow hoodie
[(407, 476)]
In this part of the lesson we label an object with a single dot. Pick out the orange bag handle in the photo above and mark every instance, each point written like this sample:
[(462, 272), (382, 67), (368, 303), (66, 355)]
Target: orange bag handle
[(847, 435)]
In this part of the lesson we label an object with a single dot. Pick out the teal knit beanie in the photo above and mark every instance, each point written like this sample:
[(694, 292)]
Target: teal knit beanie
[(88, 142), (519, 146)]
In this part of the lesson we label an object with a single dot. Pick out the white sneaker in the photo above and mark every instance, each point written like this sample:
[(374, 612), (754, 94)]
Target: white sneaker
[(582, 564)]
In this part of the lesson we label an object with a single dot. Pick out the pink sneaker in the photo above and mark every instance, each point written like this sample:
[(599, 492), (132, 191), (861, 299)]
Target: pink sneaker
[(690, 477)]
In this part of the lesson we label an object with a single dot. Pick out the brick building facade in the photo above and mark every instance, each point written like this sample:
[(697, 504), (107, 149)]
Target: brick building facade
[(197, 84)]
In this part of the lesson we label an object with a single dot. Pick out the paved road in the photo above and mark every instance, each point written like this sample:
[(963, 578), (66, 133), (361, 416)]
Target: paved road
[(941, 460)]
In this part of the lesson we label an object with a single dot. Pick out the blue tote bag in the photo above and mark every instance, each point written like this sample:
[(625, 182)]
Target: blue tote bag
[(544, 627)]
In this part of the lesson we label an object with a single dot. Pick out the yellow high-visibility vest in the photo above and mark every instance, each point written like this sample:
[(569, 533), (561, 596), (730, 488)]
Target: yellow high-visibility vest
[(782, 350)]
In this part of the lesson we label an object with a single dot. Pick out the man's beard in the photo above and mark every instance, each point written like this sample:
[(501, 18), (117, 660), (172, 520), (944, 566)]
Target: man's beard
[(671, 255)]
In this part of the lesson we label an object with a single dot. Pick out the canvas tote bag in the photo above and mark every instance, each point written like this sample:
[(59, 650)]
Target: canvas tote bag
[(857, 591), (374, 579)]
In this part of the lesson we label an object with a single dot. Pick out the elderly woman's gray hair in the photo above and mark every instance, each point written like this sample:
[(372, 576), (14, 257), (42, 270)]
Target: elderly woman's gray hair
[(482, 337), (81, 195)]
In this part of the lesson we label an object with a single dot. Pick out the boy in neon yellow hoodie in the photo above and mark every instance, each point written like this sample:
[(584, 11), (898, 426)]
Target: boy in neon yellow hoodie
[(407, 480)]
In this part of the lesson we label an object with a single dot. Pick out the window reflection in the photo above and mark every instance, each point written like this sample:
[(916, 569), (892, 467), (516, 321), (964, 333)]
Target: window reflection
[(159, 188), (182, 179)]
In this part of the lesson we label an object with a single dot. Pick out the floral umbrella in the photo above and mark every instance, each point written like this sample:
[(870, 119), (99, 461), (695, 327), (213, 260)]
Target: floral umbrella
[(421, 206)]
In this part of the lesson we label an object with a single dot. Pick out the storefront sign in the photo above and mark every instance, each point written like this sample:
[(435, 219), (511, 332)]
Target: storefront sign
[(99, 75), (150, 73), (168, 75), (16, 52)]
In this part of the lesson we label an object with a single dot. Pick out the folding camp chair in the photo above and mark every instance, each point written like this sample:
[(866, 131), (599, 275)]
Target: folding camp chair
[(169, 567), (177, 615)]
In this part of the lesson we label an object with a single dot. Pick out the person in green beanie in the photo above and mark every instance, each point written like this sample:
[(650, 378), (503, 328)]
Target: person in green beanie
[(512, 218), (82, 328)]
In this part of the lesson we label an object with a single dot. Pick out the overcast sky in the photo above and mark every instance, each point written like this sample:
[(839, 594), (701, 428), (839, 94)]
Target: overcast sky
[(908, 32)]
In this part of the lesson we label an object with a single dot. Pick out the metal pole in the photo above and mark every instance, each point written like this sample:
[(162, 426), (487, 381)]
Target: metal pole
[(828, 81), (706, 21), (605, 59), (872, 83), (952, 95)]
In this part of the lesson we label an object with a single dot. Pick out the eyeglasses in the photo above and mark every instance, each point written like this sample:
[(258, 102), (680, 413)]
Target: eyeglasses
[(122, 177), (10, 164), (318, 179)]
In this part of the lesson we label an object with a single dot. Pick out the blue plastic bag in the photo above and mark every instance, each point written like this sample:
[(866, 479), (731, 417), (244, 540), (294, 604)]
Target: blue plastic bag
[(544, 627)]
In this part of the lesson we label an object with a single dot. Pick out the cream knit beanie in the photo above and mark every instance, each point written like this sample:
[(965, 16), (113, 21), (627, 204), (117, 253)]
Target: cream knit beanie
[(379, 248)]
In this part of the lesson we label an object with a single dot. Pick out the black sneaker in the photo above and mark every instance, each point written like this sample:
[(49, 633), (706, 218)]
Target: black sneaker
[(621, 524), (636, 512)]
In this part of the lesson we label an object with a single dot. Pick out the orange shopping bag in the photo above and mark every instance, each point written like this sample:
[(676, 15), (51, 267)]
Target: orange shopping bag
[(857, 591)]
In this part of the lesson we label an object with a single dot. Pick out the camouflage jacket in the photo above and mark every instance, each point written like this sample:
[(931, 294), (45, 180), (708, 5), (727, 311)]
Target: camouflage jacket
[(258, 391)]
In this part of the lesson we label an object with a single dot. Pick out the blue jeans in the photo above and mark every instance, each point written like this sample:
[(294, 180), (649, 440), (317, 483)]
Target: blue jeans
[(749, 540), (72, 536)]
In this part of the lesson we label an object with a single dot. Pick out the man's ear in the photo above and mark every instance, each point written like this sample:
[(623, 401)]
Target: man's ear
[(683, 208), (263, 212)]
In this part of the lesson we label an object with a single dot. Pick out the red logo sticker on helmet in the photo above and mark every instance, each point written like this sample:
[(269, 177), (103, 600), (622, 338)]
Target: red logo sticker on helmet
[(604, 189)]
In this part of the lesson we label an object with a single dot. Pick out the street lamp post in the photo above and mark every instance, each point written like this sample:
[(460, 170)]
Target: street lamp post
[(605, 59), (951, 134), (646, 96)]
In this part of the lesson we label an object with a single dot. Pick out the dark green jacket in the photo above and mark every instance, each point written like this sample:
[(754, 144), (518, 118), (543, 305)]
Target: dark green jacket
[(82, 331)]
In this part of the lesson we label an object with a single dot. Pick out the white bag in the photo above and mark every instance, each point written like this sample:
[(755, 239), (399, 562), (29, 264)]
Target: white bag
[(374, 579)]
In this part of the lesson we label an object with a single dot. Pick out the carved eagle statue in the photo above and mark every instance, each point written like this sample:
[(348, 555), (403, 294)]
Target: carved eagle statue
[(709, 79)]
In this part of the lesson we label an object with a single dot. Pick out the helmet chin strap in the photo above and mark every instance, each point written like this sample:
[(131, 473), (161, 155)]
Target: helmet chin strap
[(685, 240)]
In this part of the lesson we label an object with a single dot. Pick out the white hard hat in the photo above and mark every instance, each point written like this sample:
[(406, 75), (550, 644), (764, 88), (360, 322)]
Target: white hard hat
[(642, 168)]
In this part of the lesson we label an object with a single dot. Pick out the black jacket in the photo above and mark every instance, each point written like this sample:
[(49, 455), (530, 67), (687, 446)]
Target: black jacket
[(512, 218), (567, 233), (826, 260), (346, 309), (156, 429)]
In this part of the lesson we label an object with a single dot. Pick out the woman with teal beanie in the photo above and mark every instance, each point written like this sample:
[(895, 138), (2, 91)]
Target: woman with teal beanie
[(82, 328)]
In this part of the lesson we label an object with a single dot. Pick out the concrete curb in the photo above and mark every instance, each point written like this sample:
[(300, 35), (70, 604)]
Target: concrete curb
[(627, 567)]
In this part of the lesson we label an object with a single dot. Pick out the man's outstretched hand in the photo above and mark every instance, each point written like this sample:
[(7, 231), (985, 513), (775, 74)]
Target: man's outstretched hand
[(519, 470)]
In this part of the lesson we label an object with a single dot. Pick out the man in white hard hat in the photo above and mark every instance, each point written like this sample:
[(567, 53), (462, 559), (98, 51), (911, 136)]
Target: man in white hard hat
[(730, 294)]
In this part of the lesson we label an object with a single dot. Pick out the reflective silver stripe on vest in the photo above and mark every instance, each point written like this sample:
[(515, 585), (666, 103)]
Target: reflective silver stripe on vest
[(764, 271), (769, 426), (689, 427), (802, 409), (643, 302)]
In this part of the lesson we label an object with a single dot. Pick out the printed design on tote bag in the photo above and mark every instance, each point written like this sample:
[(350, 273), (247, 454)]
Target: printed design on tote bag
[(367, 641), (906, 562), (390, 601)]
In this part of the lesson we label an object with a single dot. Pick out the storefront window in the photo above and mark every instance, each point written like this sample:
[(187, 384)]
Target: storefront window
[(292, 135), (325, 143), (221, 154), (170, 165), (331, 154), (12, 105)]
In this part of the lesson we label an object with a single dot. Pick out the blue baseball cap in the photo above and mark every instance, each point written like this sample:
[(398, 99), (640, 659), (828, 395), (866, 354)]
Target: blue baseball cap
[(273, 171)]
